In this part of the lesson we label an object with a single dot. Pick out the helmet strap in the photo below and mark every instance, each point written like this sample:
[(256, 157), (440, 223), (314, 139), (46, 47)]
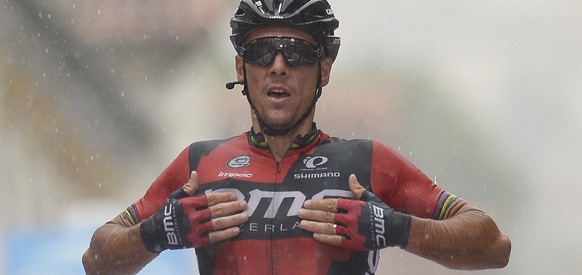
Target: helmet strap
[(270, 131)]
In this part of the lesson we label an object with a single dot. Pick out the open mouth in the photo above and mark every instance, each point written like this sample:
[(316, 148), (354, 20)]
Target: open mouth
[(275, 93)]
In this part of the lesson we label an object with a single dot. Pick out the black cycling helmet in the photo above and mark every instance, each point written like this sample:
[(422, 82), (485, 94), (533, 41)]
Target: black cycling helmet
[(313, 16)]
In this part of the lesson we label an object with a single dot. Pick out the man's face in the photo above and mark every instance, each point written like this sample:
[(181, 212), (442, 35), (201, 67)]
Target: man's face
[(282, 93)]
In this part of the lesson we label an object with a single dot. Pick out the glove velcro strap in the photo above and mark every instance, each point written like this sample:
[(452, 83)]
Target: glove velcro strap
[(148, 230), (399, 228)]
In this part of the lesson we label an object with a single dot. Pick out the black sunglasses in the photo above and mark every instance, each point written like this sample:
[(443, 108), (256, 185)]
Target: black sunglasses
[(296, 51)]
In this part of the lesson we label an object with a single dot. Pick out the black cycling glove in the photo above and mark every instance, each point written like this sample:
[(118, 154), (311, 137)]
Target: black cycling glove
[(370, 224), (182, 222)]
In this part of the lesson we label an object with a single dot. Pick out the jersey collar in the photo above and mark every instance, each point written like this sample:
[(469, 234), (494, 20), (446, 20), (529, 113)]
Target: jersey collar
[(258, 140)]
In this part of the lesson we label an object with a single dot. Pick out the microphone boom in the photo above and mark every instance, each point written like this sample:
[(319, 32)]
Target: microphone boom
[(230, 85)]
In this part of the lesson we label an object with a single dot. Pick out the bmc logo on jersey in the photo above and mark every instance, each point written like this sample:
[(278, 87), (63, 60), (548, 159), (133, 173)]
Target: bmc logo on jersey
[(294, 200), (313, 162), (239, 162)]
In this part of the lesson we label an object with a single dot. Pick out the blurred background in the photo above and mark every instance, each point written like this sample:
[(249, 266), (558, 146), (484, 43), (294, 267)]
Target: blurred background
[(98, 97)]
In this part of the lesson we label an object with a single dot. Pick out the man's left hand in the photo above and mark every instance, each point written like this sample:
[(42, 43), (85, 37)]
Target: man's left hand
[(363, 224)]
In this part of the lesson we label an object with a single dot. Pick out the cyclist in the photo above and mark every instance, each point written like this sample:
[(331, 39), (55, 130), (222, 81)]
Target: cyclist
[(285, 197)]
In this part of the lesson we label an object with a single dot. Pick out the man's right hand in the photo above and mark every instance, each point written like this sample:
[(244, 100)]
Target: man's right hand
[(186, 221)]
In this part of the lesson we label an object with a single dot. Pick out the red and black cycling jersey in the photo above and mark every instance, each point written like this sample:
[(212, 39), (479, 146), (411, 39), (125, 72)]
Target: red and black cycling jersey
[(315, 167)]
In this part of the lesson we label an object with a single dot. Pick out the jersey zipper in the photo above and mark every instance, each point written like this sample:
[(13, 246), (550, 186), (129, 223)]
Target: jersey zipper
[(278, 162), (277, 174)]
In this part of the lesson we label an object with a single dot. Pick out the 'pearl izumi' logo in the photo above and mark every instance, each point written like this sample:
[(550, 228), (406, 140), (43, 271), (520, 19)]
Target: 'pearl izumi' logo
[(315, 169), (240, 161), (313, 162)]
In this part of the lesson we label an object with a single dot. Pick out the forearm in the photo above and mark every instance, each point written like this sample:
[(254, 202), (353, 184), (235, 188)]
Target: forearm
[(469, 239), (116, 249)]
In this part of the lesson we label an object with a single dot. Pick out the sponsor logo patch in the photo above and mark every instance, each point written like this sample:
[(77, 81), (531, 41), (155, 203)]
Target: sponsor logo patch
[(239, 162)]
